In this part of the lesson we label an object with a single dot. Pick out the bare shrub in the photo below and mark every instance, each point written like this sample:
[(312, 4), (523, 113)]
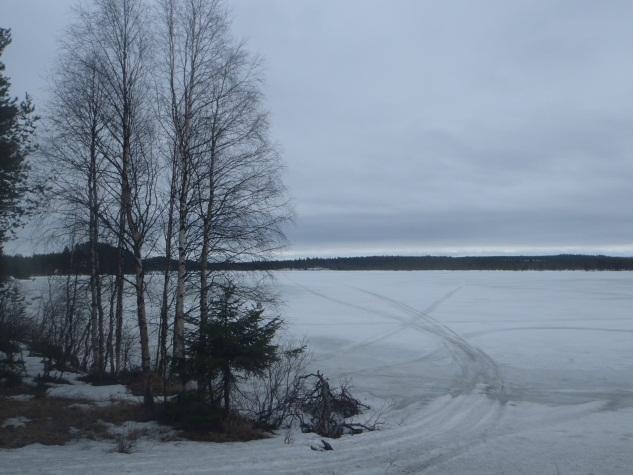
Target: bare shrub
[(271, 398), (14, 324), (14, 328), (324, 410), (284, 394), (61, 334), (125, 442)]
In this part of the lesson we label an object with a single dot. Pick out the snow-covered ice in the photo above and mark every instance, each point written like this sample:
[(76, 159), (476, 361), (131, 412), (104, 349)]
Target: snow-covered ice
[(473, 372)]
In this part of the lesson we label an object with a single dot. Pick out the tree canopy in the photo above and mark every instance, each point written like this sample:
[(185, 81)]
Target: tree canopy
[(17, 127)]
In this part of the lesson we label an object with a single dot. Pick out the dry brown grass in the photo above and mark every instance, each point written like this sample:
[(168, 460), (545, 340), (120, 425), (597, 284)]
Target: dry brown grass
[(235, 429), (135, 385), (55, 421)]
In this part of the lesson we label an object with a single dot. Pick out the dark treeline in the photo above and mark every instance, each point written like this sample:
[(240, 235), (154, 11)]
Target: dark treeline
[(515, 263), (66, 262), (78, 262)]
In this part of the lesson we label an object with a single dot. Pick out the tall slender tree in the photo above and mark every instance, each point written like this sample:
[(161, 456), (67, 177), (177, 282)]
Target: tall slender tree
[(122, 44), (240, 199), (229, 200), (77, 125), (194, 32)]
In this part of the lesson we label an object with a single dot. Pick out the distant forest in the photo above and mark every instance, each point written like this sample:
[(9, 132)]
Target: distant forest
[(78, 261)]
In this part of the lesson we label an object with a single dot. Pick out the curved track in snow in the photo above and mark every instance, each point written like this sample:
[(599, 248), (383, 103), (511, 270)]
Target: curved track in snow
[(475, 402), (477, 367), (478, 370)]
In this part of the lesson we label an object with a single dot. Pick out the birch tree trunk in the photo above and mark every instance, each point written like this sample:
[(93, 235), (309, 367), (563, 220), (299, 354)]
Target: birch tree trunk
[(122, 42), (164, 308)]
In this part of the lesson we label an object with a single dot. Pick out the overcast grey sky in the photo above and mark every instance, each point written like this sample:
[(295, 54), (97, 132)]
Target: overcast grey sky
[(414, 127)]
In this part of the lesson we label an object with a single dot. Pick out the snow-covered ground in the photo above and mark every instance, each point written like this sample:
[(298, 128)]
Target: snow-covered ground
[(471, 372)]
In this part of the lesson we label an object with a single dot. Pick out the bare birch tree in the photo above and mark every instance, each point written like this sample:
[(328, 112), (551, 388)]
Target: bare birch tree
[(241, 201), (193, 32), (121, 41), (168, 223), (225, 199), (229, 198), (76, 125)]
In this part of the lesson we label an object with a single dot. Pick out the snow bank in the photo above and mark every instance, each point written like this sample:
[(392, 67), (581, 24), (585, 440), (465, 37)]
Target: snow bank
[(16, 422), (78, 390)]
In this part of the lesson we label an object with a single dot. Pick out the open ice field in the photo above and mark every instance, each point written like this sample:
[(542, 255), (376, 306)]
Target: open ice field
[(472, 372)]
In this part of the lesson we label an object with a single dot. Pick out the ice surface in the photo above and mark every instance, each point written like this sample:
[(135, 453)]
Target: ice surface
[(475, 372)]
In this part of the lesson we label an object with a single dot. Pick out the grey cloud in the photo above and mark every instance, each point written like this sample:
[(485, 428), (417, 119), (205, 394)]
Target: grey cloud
[(414, 124), (430, 232)]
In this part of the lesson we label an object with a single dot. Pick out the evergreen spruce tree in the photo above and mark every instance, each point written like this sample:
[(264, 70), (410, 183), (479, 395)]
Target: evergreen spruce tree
[(17, 126), (237, 340)]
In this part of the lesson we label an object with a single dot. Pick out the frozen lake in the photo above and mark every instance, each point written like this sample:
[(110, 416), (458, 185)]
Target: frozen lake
[(545, 359), (552, 337), (472, 372)]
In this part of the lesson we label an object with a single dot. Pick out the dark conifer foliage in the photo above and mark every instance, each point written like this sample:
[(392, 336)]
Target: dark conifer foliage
[(237, 340), (17, 126)]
